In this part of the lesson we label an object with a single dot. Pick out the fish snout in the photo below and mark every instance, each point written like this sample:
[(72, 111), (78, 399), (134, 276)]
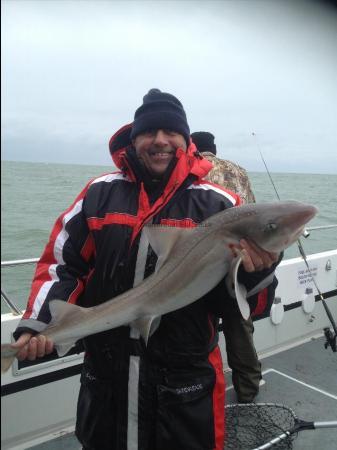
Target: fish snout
[(309, 213), (295, 223), (298, 216)]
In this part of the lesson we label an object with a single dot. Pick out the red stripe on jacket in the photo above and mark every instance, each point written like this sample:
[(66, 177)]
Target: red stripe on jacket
[(262, 300), (179, 223), (218, 398), (76, 292), (236, 197), (97, 223), (88, 248)]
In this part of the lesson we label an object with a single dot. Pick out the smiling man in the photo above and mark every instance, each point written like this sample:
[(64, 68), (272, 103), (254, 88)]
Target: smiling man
[(157, 148), (168, 394), (159, 128)]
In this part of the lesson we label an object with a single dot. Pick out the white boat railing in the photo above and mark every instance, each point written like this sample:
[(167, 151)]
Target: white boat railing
[(19, 262)]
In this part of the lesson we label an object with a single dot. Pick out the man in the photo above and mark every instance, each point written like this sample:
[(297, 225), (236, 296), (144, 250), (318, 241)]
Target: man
[(241, 353), (169, 394), (224, 172)]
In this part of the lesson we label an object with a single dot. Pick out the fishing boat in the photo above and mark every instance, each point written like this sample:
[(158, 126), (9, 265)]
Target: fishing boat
[(296, 345)]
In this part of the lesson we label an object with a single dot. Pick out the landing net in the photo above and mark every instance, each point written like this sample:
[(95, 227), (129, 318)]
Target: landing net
[(251, 425)]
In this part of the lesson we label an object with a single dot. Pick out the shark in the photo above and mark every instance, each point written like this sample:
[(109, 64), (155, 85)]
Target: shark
[(191, 262)]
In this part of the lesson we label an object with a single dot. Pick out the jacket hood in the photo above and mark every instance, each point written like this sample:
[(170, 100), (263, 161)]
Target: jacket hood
[(121, 141)]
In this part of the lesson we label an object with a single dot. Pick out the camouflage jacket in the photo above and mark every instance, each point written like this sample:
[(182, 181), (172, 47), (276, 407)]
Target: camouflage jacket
[(231, 176)]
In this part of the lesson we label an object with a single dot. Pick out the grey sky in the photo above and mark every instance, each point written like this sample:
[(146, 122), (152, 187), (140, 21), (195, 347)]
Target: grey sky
[(73, 72)]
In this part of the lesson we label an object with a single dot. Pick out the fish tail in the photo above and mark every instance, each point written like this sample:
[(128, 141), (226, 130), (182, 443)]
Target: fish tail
[(8, 354)]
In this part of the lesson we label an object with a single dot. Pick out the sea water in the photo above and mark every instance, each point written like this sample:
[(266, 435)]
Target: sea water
[(33, 195)]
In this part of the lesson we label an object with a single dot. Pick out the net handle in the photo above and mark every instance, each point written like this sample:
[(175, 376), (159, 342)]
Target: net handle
[(328, 424), (306, 425)]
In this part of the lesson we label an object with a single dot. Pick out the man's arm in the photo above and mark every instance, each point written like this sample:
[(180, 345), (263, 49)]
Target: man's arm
[(33, 347), (60, 274), (256, 266), (253, 257), (264, 275)]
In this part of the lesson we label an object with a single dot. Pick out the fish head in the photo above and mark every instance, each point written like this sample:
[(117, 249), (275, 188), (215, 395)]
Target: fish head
[(278, 225), (272, 226)]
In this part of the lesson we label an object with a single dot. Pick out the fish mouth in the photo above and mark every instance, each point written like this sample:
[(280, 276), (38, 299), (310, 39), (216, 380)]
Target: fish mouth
[(295, 237)]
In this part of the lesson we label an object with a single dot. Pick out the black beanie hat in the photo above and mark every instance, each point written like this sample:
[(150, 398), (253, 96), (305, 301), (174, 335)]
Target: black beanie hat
[(204, 141), (160, 110)]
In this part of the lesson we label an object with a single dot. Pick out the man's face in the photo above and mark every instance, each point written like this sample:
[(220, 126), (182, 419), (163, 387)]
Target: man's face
[(157, 148)]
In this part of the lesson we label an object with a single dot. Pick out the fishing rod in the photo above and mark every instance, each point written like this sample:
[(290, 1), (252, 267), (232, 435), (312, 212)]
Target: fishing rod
[(322, 227), (329, 335), (306, 231)]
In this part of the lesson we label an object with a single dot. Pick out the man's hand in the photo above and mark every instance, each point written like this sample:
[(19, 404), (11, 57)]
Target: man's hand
[(33, 347), (253, 257)]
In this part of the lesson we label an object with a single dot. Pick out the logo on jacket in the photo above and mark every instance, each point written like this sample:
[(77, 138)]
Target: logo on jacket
[(188, 389)]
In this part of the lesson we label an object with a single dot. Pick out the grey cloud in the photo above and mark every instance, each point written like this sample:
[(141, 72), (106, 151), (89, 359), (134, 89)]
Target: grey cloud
[(76, 71)]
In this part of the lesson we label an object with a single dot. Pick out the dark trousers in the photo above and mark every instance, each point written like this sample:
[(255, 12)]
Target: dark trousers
[(241, 355), (176, 407)]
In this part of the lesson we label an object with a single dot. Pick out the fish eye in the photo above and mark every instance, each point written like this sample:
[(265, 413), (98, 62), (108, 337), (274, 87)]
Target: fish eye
[(270, 227)]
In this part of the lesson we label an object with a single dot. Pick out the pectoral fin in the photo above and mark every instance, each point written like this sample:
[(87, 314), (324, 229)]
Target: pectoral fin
[(64, 347), (163, 239), (61, 311), (146, 326), (240, 292)]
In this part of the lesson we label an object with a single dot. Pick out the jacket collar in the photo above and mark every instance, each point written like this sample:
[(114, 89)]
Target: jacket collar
[(189, 166)]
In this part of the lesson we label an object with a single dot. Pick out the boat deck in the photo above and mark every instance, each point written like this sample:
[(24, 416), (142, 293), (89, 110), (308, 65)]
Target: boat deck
[(303, 378)]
